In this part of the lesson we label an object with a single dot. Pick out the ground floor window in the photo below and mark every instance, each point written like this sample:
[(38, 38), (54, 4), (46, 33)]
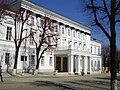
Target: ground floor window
[(7, 58), (98, 65), (42, 61), (23, 58), (33, 59), (95, 65), (51, 61)]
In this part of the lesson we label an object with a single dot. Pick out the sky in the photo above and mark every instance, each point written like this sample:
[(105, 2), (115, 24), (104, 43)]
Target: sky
[(73, 10)]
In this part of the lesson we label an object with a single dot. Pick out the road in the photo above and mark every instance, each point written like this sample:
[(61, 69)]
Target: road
[(61, 82)]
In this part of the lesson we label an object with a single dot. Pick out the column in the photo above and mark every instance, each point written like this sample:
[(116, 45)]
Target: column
[(89, 65), (100, 64), (85, 65), (70, 64), (78, 65)]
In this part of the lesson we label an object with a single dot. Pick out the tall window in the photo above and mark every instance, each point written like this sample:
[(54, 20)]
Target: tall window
[(42, 61), (98, 50), (80, 45), (84, 36), (98, 65), (92, 65), (51, 61), (8, 33), (79, 35), (31, 40), (94, 49), (91, 49), (74, 33), (33, 59), (32, 20), (68, 32), (63, 32), (84, 46), (56, 28), (7, 57), (49, 40)]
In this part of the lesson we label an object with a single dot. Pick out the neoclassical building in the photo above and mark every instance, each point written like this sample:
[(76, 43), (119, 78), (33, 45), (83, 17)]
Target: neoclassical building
[(76, 50)]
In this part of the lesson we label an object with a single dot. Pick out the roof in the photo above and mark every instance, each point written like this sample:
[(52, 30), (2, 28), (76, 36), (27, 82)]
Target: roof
[(96, 40), (30, 3)]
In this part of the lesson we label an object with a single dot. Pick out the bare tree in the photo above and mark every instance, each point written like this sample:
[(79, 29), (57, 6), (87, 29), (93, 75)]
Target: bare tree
[(20, 19), (118, 60), (106, 56), (47, 37), (106, 14)]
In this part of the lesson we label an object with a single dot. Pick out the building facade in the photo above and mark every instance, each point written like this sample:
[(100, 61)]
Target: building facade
[(75, 51)]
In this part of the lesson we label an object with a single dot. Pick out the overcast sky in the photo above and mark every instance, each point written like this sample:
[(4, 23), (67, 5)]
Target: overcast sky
[(73, 10)]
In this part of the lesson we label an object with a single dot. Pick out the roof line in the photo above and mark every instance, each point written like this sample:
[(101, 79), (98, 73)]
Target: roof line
[(31, 2)]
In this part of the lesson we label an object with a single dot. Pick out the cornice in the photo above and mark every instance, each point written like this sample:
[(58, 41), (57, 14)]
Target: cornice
[(50, 12)]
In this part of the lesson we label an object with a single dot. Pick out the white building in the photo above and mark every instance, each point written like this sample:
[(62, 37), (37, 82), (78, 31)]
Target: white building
[(75, 51)]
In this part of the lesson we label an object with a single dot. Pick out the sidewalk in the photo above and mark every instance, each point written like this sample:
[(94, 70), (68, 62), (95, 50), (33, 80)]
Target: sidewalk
[(7, 75)]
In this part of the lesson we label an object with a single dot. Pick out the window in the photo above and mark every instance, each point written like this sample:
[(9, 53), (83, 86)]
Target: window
[(7, 57), (98, 65), (84, 36), (32, 20), (63, 42), (31, 40), (69, 43), (98, 50), (91, 49), (33, 59), (92, 65), (79, 35), (68, 32), (63, 30), (80, 45), (8, 33), (42, 61), (94, 49), (23, 58), (51, 61), (49, 40), (75, 45), (84, 46), (56, 28), (73, 33)]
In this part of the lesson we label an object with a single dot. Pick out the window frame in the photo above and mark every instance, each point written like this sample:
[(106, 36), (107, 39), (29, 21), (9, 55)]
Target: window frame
[(43, 61), (8, 33), (51, 61), (7, 58)]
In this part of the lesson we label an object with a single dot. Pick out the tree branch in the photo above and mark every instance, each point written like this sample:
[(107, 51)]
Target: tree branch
[(97, 22), (106, 9)]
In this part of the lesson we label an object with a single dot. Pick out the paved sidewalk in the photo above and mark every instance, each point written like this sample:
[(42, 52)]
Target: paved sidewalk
[(7, 75), (56, 82)]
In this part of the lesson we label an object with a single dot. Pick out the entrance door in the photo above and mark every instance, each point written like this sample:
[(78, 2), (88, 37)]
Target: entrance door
[(58, 63), (65, 64)]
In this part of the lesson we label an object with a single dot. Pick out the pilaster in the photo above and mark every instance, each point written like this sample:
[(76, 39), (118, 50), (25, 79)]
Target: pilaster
[(70, 64)]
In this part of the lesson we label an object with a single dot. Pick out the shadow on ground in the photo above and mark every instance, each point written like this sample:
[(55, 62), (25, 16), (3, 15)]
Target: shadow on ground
[(75, 85), (52, 84)]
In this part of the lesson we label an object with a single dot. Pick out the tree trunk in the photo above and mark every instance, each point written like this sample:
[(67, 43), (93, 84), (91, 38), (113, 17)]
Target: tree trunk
[(113, 66), (37, 63), (113, 46), (16, 60)]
